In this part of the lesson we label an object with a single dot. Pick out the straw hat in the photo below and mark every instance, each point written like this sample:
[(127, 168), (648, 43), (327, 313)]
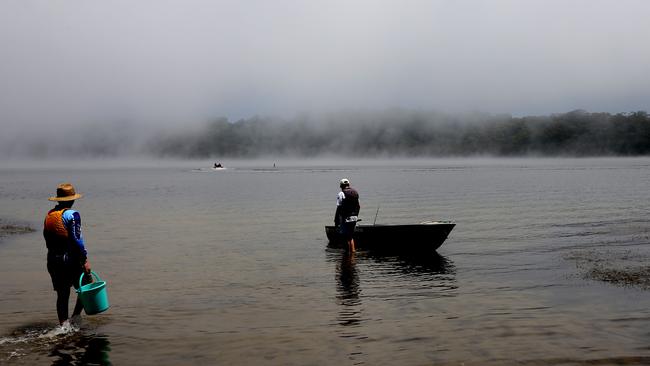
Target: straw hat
[(65, 192)]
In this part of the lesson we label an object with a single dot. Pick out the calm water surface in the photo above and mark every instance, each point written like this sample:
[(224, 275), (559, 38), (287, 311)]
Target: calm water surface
[(232, 267)]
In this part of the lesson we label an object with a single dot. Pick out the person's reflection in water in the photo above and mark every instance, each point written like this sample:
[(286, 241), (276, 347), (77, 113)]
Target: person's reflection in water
[(348, 291), (85, 350)]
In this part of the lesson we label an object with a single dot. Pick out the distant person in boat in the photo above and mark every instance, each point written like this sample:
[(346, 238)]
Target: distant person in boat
[(347, 210), (66, 253), (217, 165)]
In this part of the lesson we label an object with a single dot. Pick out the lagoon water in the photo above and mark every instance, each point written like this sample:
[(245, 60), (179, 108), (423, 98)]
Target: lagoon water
[(232, 267)]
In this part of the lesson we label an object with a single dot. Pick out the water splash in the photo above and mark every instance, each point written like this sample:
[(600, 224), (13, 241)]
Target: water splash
[(34, 336), (68, 327)]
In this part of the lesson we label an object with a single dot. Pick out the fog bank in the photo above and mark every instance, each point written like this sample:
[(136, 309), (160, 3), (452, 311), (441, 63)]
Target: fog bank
[(415, 134)]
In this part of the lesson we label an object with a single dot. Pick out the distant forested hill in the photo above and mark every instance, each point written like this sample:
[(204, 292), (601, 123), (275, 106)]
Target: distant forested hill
[(415, 133)]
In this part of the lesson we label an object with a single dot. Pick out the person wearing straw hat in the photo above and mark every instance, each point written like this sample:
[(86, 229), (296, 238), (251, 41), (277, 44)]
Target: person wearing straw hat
[(66, 252), (347, 210)]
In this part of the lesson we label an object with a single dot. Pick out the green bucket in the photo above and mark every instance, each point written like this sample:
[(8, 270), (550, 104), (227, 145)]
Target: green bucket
[(93, 295)]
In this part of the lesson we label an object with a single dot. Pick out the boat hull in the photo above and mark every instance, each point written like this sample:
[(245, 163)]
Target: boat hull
[(414, 237)]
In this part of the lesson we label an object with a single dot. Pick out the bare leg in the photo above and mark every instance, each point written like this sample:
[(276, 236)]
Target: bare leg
[(351, 245), (62, 297)]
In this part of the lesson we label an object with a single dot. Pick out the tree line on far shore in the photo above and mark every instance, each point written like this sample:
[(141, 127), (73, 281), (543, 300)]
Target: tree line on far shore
[(415, 133)]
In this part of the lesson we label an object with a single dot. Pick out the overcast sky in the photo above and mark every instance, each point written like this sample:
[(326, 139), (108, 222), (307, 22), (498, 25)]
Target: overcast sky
[(169, 62)]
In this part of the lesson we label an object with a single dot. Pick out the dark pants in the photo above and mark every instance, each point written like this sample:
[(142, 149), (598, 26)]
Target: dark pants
[(346, 229), (65, 273)]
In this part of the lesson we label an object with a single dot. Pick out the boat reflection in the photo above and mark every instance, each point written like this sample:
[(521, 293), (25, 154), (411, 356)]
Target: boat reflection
[(424, 263), (432, 269)]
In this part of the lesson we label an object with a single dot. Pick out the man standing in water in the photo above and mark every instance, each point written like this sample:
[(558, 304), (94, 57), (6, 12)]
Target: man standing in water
[(66, 253), (347, 210)]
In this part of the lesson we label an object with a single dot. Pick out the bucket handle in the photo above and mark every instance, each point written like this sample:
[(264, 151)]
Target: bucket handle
[(82, 277)]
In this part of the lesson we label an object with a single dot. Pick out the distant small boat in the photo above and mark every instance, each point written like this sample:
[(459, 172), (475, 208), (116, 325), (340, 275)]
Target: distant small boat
[(218, 168), (426, 236)]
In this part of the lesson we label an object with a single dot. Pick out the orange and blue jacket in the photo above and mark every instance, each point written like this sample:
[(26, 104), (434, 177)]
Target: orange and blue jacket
[(62, 232)]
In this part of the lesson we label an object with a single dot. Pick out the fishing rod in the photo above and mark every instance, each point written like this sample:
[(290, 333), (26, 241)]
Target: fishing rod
[(376, 214)]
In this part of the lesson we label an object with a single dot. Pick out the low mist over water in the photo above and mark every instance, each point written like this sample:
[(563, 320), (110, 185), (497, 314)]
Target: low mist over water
[(413, 133), (389, 133)]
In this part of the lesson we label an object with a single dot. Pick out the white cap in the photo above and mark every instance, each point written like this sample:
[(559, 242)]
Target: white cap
[(344, 182)]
